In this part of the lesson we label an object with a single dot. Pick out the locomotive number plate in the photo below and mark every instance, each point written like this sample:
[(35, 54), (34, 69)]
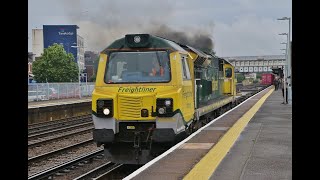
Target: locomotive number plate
[(131, 127)]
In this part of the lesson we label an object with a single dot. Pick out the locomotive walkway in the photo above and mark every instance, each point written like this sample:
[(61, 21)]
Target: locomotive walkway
[(252, 141)]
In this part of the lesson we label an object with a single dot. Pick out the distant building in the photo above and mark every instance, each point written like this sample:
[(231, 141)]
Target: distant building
[(250, 64), (30, 61), (251, 76), (65, 35), (90, 57), (31, 56), (37, 42)]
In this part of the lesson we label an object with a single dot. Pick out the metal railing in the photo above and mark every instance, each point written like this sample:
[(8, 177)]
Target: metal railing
[(48, 91)]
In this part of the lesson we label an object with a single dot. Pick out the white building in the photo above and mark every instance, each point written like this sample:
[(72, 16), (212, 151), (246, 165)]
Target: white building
[(37, 42), (256, 63)]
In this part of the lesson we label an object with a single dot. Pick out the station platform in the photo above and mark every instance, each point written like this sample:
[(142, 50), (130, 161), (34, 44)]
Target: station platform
[(57, 102), (264, 148), (42, 111), (251, 141)]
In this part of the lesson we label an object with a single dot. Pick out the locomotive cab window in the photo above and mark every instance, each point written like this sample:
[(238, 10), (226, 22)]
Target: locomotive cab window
[(228, 72), (138, 67), (185, 69)]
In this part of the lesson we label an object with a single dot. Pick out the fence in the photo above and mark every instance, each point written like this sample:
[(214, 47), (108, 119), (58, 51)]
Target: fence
[(48, 91)]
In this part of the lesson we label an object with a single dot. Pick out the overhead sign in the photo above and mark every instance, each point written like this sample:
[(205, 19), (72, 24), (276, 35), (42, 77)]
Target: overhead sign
[(66, 33)]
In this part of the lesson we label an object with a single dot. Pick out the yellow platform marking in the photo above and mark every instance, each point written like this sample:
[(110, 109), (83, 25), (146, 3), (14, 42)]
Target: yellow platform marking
[(208, 164)]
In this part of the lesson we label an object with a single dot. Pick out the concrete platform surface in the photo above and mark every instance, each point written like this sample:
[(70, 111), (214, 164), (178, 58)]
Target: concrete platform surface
[(263, 150)]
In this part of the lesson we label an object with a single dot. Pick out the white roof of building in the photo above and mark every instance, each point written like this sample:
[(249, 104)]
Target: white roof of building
[(254, 58)]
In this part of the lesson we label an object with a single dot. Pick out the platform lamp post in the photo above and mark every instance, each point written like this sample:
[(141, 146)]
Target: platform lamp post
[(288, 60), (284, 72), (79, 73), (285, 44), (286, 47)]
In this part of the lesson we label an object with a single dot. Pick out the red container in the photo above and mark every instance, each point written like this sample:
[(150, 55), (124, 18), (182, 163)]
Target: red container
[(267, 79)]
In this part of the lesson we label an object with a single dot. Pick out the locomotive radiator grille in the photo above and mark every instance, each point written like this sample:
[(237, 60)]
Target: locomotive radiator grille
[(129, 107)]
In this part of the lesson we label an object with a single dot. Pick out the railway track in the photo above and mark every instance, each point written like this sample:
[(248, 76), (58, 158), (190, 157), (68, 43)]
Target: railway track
[(59, 130), (55, 143), (50, 159), (58, 137), (63, 150), (99, 172), (88, 166), (42, 126), (65, 167)]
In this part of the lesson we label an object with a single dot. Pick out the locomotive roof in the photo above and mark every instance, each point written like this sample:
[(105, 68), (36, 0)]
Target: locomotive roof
[(133, 41), (224, 60)]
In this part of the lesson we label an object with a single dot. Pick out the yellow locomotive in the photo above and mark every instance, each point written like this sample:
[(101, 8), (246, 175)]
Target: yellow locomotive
[(150, 92)]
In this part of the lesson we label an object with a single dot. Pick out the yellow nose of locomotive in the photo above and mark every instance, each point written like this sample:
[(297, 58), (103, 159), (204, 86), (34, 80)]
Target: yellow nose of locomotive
[(136, 107)]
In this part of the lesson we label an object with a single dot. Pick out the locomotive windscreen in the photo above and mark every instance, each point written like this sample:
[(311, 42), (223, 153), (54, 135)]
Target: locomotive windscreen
[(138, 67)]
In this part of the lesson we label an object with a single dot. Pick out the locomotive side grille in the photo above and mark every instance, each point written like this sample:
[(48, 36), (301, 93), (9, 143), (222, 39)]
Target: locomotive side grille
[(129, 107)]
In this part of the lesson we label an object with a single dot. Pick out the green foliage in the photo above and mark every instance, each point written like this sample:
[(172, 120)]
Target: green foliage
[(240, 77), (55, 65), (258, 75), (93, 78)]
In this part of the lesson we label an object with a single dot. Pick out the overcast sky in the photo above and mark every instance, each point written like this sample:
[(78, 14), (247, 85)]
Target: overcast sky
[(237, 27)]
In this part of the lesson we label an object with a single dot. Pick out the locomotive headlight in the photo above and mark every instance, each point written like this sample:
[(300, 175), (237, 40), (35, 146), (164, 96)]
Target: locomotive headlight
[(106, 111), (161, 111), (137, 39), (167, 102), (164, 107), (100, 103), (104, 108)]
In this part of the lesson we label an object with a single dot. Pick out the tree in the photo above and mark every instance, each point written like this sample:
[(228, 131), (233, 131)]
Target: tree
[(93, 78), (55, 65), (240, 77), (258, 76)]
